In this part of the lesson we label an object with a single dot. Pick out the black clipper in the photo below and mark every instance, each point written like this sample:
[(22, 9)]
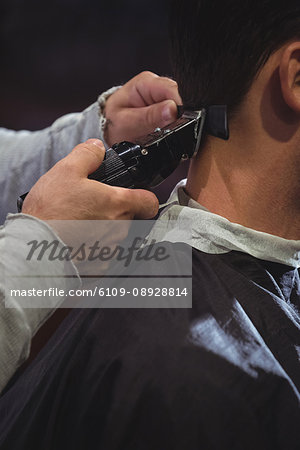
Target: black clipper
[(152, 158)]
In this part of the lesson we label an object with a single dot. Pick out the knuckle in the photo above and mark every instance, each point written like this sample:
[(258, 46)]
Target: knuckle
[(170, 81), (150, 116), (126, 201), (119, 200), (147, 74), (64, 165)]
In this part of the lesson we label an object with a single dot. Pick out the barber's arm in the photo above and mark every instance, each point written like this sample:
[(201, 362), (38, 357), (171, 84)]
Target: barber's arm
[(144, 103), (63, 193)]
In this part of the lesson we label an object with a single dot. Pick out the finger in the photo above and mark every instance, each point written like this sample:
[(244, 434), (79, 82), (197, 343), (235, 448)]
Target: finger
[(161, 114), (142, 204), (148, 88), (85, 158), (148, 118)]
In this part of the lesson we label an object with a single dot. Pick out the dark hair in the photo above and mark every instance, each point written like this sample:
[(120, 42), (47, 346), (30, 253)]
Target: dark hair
[(219, 46)]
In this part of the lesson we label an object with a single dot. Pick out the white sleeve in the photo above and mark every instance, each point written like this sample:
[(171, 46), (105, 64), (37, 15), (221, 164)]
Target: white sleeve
[(18, 324), (25, 155)]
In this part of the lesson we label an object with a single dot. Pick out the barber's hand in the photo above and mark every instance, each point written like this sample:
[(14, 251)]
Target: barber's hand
[(146, 102), (65, 192)]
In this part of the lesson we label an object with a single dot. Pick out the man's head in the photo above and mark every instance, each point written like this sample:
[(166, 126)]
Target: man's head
[(246, 54), (219, 46)]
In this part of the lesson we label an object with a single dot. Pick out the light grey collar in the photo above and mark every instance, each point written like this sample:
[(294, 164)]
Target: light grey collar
[(185, 220)]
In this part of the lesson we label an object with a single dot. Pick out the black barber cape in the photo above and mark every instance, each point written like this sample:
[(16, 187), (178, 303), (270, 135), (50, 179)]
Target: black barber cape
[(222, 375)]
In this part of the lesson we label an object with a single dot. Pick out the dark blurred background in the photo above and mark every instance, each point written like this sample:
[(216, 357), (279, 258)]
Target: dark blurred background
[(56, 57)]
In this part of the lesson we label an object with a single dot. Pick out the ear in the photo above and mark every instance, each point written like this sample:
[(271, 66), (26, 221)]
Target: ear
[(289, 71)]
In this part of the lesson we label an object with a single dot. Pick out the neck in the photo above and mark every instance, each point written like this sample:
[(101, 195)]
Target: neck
[(252, 179)]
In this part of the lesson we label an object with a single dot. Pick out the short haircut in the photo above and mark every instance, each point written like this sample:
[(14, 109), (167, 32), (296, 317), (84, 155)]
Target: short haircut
[(219, 46)]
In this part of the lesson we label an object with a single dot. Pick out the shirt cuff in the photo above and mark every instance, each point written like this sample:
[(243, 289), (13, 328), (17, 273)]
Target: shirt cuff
[(102, 99)]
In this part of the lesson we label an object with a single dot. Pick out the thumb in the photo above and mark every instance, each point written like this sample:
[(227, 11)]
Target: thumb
[(85, 158), (159, 114), (147, 118)]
